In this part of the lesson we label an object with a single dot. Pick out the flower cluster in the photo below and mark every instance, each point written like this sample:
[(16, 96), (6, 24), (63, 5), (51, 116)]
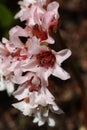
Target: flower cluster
[(27, 61)]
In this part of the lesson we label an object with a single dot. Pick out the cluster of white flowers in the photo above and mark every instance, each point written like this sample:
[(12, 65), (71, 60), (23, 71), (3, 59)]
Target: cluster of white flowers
[(29, 64)]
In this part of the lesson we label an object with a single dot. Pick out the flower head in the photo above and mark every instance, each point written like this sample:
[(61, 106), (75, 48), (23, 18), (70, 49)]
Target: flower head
[(27, 61)]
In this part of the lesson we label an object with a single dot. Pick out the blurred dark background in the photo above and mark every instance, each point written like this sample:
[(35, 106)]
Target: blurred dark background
[(71, 95)]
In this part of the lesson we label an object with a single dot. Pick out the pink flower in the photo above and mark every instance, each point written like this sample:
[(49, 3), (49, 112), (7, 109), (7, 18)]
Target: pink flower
[(40, 20), (45, 61), (29, 80), (14, 41)]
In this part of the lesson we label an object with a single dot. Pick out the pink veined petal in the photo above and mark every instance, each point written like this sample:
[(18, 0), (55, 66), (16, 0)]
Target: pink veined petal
[(46, 19), (17, 71), (4, 40), (50, 17), (18, 31), (19, 79), (28, 15), (53, 6), (42, 2), (62, 55), (20, 13), (42, 96), (10, 46), (38, 14), (35, 47), (60, 73), (14, 34), (31, 66), (43, 74), (26, 3), (13, 66)]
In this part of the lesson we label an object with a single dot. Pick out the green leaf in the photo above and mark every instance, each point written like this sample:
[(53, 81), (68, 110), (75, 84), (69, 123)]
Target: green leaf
[(6, 17)]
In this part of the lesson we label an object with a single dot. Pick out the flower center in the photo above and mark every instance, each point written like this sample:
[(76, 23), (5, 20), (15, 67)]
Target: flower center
[(39, 33), (46, 59)]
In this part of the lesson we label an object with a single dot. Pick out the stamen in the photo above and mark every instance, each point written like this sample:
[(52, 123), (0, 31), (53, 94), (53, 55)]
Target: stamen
[(46, 59), (34, 87), (27, 100)]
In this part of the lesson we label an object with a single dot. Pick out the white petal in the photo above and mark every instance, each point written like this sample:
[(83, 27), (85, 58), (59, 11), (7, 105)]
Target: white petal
[(51, 122), (62, 55), (2, 86), (21, 93), (44, 97), (23, 107), (19, 79), (53, 6), (49, 40), (36, 119), (45, 113), (4, 40), (2, 83), (9, 87), (60, 73), (55, 107), (44, 75), (31, 66), (20, 105), (39, 119), (41, 122)]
